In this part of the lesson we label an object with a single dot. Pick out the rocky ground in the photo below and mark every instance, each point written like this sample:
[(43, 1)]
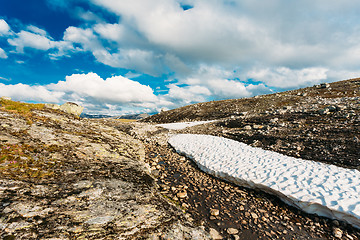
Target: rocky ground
[(321, 123), (62, 177)]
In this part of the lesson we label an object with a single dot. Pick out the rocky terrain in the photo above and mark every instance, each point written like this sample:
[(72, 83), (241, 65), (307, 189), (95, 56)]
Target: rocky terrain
[(63, 177), (321, 123)]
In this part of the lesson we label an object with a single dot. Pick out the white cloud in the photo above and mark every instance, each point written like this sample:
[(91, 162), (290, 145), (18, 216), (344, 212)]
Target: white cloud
[(111, 95), (238, 35), (36, 30), (25, 92), (3, 54), (4, 27), (28, 39), (287, 78), (187, 95), (116, 89), (113, 32)]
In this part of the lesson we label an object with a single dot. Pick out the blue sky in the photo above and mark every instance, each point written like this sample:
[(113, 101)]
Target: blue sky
[(120, 57)]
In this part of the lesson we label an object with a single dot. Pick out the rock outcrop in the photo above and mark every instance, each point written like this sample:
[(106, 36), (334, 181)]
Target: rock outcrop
[(69, 107), (72, 108), (62, 177)]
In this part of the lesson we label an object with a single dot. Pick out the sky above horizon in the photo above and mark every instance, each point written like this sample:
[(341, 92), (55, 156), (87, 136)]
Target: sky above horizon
[(124, 57)]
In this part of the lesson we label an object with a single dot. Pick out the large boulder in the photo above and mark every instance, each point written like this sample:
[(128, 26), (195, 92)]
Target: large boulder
[(72, 108)]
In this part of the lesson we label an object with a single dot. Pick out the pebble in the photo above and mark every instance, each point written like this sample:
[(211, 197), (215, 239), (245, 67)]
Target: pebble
[(254, 215), (182, 194), (232, 231), (337, 232), (215, 234), (247, 127), (214, 212)]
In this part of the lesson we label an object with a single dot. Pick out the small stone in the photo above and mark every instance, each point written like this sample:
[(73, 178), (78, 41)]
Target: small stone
[(324, 85), (336, 223), (331, 108), (256, 127), (232, 231), (324, 111), (214, 212), (254, 215), (215, 234), (274, 120), (247, 127), (337, 232), (182, 194)]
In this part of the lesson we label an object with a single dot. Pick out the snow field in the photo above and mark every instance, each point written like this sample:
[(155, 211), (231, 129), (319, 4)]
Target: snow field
[(314, 187)]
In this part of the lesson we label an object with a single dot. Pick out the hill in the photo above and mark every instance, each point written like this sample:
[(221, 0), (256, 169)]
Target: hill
[(239, 107)]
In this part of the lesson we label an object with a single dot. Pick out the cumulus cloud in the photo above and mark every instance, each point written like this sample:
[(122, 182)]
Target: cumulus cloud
[(113, 95), (211, 50), (3, 54), (23, 92), (288, 78), (239, 35), (116, 89), (32, 40), (4, 27)]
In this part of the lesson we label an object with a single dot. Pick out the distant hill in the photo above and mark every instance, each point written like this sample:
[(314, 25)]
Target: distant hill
[(238, 107), (85, 115), (132, 116)]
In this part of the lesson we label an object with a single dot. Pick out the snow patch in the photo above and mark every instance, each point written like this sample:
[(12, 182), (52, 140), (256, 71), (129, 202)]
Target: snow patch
[(314, 187), (182, 125)]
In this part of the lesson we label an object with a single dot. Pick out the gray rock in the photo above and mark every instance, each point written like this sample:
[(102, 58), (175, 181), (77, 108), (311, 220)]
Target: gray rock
[(324, 85), (214, 212), (215, 234), (232, 231), (247, 127), (337, 232), (72, 108)]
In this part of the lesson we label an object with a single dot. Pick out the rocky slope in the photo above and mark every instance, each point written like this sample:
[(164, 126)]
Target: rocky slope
[(320, 123), (62, 177)]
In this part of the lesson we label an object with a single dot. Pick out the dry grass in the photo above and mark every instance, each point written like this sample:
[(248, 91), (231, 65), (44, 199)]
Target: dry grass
[(21, 162), (23, 109)]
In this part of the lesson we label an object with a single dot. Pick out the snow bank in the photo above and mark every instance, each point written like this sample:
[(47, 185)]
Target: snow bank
[(314, 187), (182, 125)]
